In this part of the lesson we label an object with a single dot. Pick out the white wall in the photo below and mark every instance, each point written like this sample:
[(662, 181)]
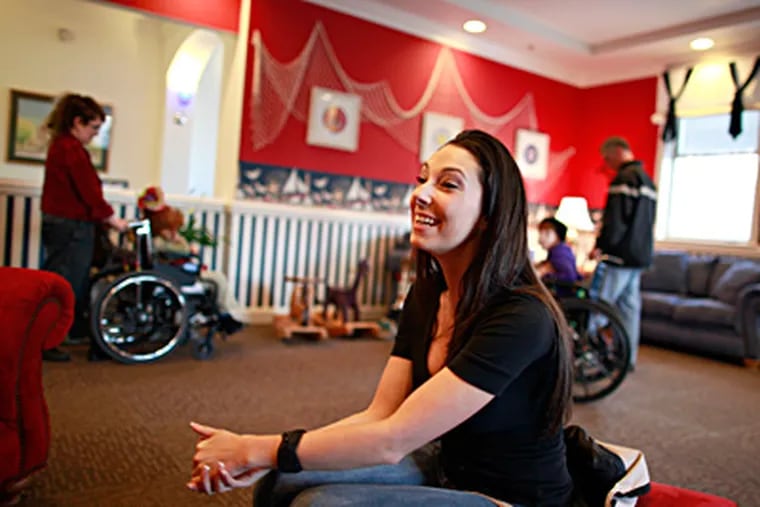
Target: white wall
[(191, 122), (230, 125), (206, 129), (118, 56)]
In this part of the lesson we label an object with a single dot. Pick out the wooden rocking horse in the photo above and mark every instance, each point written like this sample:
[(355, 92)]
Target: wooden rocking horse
[(300, 322), (345, 298)]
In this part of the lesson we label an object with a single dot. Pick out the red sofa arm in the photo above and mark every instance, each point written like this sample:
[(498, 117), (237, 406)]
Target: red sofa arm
[(34, 305), (36, 311)]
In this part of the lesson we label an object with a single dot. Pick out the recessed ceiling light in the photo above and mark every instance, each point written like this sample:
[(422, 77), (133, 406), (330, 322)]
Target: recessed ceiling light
[(701, 44), (474, 26)]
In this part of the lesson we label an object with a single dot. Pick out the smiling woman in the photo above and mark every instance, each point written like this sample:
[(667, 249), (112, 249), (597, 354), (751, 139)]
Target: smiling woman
[(446, 204), (470, 407)]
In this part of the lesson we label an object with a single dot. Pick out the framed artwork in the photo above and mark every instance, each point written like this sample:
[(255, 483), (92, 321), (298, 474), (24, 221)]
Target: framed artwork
[(532, 153), (28, 136), (437, 129), (334, 119)]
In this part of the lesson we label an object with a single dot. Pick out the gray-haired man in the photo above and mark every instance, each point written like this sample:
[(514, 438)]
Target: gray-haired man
[(627, 234)]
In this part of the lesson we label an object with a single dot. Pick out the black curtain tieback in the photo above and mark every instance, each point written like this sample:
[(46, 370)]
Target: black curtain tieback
[(737, 106), (670, 132)]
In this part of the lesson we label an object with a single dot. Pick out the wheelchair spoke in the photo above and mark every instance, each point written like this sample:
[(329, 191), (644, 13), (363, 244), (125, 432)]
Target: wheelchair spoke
[(140, 317), (600, 348)]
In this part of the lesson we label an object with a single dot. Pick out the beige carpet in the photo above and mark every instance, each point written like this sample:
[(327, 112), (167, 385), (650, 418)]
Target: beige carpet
[(120, 434)]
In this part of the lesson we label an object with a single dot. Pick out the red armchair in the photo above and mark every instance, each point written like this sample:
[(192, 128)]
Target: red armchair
[(36, 310)]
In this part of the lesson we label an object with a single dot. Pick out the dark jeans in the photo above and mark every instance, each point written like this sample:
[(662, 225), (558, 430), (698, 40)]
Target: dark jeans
[(68, 251), (416, 480)]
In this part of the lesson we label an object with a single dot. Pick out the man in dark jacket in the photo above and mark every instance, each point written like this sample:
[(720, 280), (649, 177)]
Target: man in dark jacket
[(627, 235)]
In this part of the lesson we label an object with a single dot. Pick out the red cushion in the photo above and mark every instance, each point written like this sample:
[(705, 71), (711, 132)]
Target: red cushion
[(662, 495)]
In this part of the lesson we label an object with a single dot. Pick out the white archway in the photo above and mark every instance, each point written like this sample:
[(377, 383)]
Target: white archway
[(191, 119)]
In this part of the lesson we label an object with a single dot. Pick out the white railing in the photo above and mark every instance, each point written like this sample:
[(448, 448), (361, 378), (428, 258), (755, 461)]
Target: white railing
[(258, 243)]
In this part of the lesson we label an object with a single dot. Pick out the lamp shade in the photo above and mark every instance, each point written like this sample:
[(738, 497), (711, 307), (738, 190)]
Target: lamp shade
[(573, 212)]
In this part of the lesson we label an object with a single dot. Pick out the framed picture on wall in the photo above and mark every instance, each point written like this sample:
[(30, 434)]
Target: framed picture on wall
[(437, 129), (334, 119), (28, 136), (532, 153)]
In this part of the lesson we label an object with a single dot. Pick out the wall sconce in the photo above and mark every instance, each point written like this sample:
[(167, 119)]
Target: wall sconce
[(184, 98)]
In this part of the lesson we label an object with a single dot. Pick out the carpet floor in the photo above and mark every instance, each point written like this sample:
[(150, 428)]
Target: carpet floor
[(120, 434)]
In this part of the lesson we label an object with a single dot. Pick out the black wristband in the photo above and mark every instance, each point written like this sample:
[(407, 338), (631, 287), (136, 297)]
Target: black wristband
[(287, 459)]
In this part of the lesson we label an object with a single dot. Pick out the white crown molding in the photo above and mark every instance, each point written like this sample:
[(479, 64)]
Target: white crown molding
[(587, 73), (420, 27), (684, 29), (512, 17)]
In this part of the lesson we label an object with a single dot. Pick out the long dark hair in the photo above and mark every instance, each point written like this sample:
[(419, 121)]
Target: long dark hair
[(69, 107), (502, 261)]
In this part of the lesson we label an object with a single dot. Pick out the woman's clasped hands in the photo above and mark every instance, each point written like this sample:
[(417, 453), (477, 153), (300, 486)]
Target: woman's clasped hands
[(223, 460)]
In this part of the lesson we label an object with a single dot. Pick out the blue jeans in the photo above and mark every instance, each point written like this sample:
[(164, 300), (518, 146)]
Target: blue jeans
[(620, 288), (416, 480)]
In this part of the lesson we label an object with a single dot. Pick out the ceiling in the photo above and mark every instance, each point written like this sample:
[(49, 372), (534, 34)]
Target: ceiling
[(581, 42)]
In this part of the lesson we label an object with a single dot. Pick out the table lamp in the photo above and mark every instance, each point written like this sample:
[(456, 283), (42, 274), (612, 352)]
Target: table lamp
[(573, 212)]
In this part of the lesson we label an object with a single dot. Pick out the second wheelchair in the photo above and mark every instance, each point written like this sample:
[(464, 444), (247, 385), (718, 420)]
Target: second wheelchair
[(144, 305), (601, 347)]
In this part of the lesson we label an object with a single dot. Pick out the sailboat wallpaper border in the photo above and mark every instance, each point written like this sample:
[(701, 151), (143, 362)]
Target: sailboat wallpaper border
[(292, 185)]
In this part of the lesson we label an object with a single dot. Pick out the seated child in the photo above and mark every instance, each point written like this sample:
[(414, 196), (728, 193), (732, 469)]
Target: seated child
[(165, 223), (559, 265)]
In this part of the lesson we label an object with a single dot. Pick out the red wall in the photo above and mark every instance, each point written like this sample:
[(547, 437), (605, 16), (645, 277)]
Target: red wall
[(620, 109), (371, 53), (220, 14)]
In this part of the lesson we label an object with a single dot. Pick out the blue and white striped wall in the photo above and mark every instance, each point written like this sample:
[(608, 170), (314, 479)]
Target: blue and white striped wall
[(259, 243), (269, 241)]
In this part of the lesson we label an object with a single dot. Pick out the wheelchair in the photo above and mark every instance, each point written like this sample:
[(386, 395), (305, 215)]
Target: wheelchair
[(601, 347), (143, 305)]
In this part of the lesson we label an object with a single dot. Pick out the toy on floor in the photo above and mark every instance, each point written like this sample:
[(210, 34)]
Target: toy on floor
[(299, 322), (336, 327), (343, 299), (403, 278)]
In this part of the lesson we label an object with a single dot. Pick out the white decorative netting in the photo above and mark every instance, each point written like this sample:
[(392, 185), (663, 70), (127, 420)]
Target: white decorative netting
[(282, 89)]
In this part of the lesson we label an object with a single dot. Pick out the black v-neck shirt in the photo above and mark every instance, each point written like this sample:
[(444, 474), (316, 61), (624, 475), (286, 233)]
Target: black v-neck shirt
[(502, 450)]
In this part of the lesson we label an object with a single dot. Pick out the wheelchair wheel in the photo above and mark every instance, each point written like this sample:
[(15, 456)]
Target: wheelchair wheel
[(601, 348), (138, 317)]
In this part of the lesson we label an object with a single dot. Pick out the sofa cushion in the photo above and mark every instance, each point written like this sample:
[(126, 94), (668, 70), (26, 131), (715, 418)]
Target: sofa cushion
[(659, 304), (737, 276), (721, 266), (667, 274), (704, 311), (699, 269)]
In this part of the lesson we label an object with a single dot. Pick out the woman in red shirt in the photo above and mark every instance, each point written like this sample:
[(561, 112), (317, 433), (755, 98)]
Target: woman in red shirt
[(73, 203)]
